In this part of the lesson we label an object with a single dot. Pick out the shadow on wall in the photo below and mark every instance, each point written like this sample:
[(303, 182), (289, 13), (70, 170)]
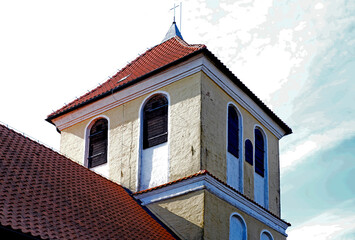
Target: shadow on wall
[(179, 215)]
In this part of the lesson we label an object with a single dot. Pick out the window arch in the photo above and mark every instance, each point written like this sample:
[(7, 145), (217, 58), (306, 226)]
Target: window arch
[(266, 235), (237, 228), (233, 131), (233, 148), (259, 152), (155, 121), (153, 165), (97, 143), (249, 151), (261, 188)]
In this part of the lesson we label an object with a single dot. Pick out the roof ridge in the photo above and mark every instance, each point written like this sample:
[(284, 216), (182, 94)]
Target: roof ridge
[(175, 44), (23, 134), (188, 44)]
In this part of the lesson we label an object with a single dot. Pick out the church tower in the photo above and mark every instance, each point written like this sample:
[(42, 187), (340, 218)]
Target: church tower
[(190, 141)]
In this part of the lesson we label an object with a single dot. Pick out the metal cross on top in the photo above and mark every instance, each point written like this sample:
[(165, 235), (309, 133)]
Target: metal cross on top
[(175, 6)]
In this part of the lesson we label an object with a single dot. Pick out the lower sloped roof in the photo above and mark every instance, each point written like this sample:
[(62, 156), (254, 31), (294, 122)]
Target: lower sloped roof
[(47, 195)]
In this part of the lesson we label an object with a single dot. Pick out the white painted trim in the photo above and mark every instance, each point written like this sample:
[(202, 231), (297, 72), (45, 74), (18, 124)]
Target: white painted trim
[(173, 74), (245, 225), (147, 86), (140, 138), (240, 157), (86, 137), (266, 231), (220, 190), (241, 97), (266, 164)]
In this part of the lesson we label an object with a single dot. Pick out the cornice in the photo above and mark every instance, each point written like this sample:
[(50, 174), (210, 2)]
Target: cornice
[(186, 68), (212, 185)]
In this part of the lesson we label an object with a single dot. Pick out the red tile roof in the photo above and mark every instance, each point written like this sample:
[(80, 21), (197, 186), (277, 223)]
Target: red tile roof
[(205, 172), (47, 195), (153, 59)]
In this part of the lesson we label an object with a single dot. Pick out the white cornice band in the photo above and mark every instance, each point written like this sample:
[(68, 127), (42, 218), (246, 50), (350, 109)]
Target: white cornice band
[(220, 190), (180, 71)]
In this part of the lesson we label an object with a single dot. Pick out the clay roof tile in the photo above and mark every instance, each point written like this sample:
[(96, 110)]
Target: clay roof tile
[(49, 196)]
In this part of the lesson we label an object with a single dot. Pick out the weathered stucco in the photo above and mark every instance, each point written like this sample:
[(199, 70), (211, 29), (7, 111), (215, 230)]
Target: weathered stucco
[(183, 214), (213, 142), (217, 218), (124, 130), (197, 137)]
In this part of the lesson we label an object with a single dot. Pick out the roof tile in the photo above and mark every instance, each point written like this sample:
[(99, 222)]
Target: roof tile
[(48, 195), (153, 59)]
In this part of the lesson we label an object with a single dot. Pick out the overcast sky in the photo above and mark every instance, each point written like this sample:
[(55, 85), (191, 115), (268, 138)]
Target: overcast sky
[(297, 56)]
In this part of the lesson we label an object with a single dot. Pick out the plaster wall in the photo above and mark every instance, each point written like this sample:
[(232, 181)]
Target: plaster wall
[(217, 218), (213, 142), (184, 214), (124, 134)]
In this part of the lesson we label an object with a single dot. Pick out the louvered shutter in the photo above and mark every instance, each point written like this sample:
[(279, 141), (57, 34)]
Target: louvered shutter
[(155, 125), (259, 153), (233, 132), (98, 144), (248, 151)]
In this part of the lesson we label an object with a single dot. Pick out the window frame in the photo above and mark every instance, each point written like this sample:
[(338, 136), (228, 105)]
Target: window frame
[(266, 164), (140, 138), (162, 137), (259, 150), (87, 140), (240, 218), (267, 233), (236, 152)]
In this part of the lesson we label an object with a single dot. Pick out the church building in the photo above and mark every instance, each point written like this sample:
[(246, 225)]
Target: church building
[(187, 138)]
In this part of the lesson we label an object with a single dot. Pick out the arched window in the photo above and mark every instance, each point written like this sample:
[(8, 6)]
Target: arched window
[(234, 161), (233, 131), (259, 152), (261, 192), (98, 144), (154, 158), (155, 121), (237, 228), (249, 151), (266, 236)]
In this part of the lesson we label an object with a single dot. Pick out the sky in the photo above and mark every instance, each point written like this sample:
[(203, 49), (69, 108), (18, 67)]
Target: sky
[(297, 56)]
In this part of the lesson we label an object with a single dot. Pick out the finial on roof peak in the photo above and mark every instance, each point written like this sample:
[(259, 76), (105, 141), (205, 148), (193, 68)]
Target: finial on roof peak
[(173, 31)]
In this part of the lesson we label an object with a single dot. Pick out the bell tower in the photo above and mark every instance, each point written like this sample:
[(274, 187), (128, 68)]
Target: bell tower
[(190, 141)]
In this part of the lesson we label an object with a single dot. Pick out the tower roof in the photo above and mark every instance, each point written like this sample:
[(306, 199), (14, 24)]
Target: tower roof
[(173, 31), (152, 61), (169, 53)]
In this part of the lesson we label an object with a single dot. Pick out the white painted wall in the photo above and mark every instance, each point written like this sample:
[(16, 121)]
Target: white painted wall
[(154, 166), (259, 189), (102, 169), (234, 171)]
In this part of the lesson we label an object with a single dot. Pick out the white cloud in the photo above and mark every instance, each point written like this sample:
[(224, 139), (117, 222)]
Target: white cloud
[(319, 6), (298, 152), (330, 225)]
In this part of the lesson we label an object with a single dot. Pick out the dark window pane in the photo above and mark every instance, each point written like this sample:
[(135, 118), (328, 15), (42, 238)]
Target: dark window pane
[(249, 151), (259, 153), (233, 132), (98, 143), (155, 121)]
